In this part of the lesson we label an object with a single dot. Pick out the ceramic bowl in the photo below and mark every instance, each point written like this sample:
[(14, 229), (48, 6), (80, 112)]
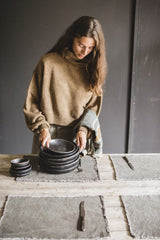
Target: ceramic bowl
[(20, 172), (19, 162), (60, 146), (60, 171), (57, 162), (62, 166), (58, 158)]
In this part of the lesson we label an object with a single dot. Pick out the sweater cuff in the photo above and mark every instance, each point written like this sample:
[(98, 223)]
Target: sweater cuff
[(84, 129), (41, 127)]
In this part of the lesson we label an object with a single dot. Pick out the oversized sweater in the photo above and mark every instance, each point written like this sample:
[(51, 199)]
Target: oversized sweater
[(59, 92)]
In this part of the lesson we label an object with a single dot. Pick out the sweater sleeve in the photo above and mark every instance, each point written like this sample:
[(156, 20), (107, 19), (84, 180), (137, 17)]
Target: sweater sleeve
[(34, 117), (95, 103)]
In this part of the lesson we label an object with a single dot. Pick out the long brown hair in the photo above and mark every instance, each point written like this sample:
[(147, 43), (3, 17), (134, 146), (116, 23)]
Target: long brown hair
[(96, 64)]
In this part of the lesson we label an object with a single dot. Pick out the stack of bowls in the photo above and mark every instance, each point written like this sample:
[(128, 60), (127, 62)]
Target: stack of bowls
[(61, 156), (20, 167)]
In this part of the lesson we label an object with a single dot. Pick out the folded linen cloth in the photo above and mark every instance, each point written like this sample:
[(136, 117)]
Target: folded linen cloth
[(53, 218), (94, 141), (143, 215)]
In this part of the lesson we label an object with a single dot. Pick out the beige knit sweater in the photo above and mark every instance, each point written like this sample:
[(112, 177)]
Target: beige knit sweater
[(58, 92)]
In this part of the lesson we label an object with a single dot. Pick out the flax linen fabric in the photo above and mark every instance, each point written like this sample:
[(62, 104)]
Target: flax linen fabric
[(146, 167), (143, 215), (94, 142), (88, 166), (53, 217)]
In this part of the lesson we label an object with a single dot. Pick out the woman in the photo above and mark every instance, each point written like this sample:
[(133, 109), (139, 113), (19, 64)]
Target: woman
[(66, 87)]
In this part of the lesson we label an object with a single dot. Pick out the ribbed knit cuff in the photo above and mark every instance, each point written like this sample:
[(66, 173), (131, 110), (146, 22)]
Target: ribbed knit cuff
[(42, 127), (84, 129)]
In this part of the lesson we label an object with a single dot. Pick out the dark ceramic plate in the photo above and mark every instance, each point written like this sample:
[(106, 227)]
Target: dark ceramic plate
[(20, 162), (53, 171), (20, 174), (46, 157), (59, 167), (13, 166), (60, 146), (59, 156), (57, 161), (13, 170)]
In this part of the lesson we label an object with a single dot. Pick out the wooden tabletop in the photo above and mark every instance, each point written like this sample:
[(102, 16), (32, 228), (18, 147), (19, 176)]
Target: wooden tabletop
[(108, 187)]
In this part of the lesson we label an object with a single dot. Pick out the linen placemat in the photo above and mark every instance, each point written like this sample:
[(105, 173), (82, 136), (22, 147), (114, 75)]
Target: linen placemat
[(145, 167), (88, 172), (53, 217), (143, 215)]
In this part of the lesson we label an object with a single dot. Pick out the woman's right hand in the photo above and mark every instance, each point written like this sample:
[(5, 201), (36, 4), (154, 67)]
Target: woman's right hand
[(44, 137)]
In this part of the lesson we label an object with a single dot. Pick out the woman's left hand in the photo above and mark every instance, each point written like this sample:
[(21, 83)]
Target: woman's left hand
[(44, 137), (81, 140)]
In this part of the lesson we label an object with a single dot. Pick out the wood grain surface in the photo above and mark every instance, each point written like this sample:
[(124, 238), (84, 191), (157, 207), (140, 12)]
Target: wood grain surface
[(108, 187)]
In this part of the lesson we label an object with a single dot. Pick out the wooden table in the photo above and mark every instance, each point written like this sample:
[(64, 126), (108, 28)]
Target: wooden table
[(107, 186)]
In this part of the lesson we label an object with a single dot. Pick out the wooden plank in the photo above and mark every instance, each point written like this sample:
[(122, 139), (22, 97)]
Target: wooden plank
[(117, 225), (114, 212), (112, 188), (107, 187), (106, 176), (112, 201)]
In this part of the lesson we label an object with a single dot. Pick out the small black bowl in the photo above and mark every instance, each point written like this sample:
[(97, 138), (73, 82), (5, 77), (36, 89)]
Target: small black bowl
[(19, 162), (28, 169), (20, 167), (20, 172)]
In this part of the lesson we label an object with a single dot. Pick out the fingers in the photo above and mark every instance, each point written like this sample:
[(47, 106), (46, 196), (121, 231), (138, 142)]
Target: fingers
[(47, 142), (81, 140), (44, 137)]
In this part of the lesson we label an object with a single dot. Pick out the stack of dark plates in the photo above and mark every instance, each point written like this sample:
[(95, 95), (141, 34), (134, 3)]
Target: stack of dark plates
[(62, 156), (20, 167)]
